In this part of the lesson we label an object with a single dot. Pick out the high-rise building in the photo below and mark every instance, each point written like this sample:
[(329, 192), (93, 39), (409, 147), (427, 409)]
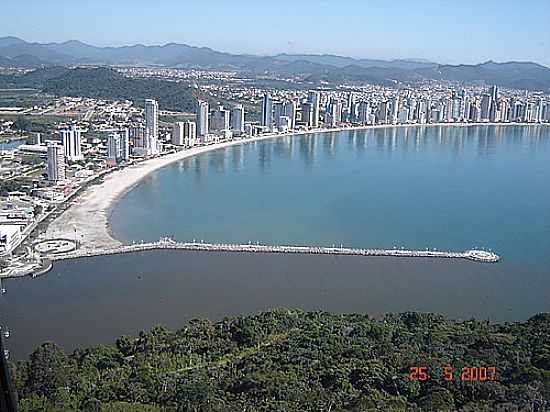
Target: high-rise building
[(424, 108), (493, 92), (467, 109), (125, 143), (178, 138), (202, 119), (237, 120), (333, 115), (314, 98), (448, 110), (189, 133), (352, 112), (486, 103), (394, 109), (117, 147), (137, 139), (70, 137), (456, 109), (278, 112), (290, 112), (503, 111), (540, 111), (351, 100), (55, 162), (382, 114), (220, 120), (364, 112), (403, 115), (151, 127), (307, 113), (267, 112)]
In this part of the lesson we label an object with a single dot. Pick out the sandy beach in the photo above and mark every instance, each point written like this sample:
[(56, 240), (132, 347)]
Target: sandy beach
[(89, 213)]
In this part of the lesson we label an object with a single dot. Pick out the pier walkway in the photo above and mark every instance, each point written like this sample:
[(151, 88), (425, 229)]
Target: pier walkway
[(475, 255)]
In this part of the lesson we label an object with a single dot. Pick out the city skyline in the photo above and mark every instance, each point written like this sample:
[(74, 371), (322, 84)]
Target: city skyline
[(450, 34)]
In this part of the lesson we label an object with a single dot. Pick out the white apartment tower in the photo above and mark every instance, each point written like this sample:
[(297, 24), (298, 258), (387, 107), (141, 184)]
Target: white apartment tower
[(189, 133), (237, 119), (202, 119), (267, 112), (177, 134), (70, 137), (220, 119), (56, 162), (118, 147), (290, 112), (313, 97), (151, 127)]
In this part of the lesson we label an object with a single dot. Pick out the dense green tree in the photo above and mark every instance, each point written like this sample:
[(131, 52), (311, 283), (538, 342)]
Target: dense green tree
[(295, 361), (22, 123)]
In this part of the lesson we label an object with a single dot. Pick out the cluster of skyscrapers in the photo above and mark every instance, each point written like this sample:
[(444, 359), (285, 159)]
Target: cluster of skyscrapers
[(70, 149), (402, 107), (310, 111), (334, 109), (146, 138)]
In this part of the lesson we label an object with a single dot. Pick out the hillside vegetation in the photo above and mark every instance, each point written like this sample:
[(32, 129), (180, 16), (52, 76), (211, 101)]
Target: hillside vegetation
[(104, 83), (297, 361)]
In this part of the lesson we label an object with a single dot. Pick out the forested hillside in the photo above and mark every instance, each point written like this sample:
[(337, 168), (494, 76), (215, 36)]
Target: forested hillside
[(296, 361), (104, 83)]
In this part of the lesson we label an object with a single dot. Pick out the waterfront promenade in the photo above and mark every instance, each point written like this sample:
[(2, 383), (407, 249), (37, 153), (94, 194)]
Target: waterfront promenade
[(474, 255)]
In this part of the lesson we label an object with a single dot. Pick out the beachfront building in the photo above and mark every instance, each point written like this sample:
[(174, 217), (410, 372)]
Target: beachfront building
[(237, 120), (55, 162), (307, 114), (289, 109), (314, 98), (189, 133), (184, 133), (70, 138), (177, 134), (333, 114), (151, 128), (202, 120), (267, 112), (118, 147), (220, 120), (137, 140)]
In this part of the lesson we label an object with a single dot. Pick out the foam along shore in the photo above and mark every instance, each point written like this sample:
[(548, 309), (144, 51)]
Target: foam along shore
[(87, 218)]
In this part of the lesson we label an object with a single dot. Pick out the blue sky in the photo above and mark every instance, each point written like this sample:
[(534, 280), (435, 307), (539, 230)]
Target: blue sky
[(447, 31)]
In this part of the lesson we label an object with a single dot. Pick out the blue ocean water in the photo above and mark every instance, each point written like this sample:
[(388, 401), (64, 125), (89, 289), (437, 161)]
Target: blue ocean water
[(437, 187), (430, 187)]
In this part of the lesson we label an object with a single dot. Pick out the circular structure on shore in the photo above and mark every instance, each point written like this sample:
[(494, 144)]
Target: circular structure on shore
[(55, 246)]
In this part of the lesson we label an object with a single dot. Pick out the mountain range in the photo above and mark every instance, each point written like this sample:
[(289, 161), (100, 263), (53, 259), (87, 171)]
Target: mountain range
[(15, 52)]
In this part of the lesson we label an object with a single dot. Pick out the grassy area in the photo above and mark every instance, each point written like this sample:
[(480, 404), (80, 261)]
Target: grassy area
[(176, 117), (40, 123), (24, 98)]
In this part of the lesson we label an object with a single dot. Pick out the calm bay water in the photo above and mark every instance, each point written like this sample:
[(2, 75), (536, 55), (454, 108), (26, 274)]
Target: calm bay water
[(442, 187)]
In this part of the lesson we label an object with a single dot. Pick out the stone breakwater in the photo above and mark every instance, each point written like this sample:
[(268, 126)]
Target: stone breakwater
[(474, 255)]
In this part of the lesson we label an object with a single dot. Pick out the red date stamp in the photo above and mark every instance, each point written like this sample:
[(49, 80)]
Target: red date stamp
[(467, 373)]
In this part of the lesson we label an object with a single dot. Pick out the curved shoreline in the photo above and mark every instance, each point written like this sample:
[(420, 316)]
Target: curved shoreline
[(88, 218)]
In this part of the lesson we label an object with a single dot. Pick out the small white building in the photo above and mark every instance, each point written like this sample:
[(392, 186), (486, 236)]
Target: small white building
[(10, 235)]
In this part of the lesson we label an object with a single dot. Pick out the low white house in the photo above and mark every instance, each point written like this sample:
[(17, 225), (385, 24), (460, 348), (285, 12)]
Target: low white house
[(9, 238)]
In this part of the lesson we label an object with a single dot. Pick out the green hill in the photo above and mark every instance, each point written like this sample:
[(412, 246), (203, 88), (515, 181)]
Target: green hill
[(296, 361), (104, 83)]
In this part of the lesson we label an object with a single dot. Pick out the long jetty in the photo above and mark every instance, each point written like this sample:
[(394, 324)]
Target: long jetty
[(475, 255)]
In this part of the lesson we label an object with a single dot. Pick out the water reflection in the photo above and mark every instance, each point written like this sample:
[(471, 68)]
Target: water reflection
[(451, 139)]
